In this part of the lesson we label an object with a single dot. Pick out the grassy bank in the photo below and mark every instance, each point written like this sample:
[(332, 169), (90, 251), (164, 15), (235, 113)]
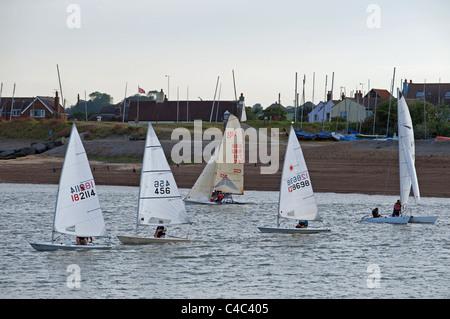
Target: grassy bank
[(40, 129)]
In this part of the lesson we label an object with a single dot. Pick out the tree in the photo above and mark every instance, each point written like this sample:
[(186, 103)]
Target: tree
[(97, 100), (273, 111)]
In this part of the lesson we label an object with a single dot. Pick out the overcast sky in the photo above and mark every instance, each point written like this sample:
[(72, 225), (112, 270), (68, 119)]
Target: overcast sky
[(102, 45)]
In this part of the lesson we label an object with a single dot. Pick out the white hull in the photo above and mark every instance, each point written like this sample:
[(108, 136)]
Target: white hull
[(54, 246), (133, 240), (223, 202), (423, 219), (188, 202), (388, 220), (293, 230)]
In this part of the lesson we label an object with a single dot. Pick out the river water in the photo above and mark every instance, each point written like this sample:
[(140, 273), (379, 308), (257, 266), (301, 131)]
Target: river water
[(228, 257)]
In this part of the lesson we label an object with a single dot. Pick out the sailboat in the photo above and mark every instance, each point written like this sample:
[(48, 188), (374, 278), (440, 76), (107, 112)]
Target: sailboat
[(224, 172), (77, 209), (296, 198), (408, 176), (159, 203)]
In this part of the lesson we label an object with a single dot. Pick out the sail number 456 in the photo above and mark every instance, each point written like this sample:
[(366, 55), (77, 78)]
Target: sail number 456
[(162, 187)]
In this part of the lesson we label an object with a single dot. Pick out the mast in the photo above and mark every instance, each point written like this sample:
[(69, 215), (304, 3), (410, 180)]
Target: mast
[(137, 117), (60, 88), (314, 81), (12, 102), (124, 103), (296, 102), (235, 95), (187, 104), (390, 100), (424, 110), (218, 101), (303, 101), (147, 140), (178, 102), (85, 105), (59, 184), (281, 179), (212, 108)]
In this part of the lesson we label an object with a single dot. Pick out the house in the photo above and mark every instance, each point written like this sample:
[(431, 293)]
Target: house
[(313, 116), (163, 110), (322, 110), (373, 98), (38, 107), (435, 93), (350, 109)]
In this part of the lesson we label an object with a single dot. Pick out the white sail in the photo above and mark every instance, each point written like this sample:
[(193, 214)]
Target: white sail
[(296, 194), (406, 153), (243, 114), (202, 189), (225, 169), (77, 209), (229, 169), (159, 198)]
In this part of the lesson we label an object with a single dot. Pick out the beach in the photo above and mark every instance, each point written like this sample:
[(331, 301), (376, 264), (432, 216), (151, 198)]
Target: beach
[(365, 167)]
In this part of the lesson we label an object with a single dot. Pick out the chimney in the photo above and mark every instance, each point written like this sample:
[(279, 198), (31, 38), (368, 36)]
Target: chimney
[(358, 94), (241, 99), (329, 96), (160, 96), (56, 103)]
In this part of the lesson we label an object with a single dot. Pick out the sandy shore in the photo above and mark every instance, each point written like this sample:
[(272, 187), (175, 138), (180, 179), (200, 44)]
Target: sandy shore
[(368, 167)]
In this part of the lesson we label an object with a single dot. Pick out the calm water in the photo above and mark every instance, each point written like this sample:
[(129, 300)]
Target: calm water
[(228, 257)]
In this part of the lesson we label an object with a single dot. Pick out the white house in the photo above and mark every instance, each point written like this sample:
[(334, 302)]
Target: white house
[(350, 110), (321, 111)]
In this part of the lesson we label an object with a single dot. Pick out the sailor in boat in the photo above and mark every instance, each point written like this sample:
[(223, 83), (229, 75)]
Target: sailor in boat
[(376, 213), (302, 224), (160, 231), (397, 209), (83, 240), (217, 196)]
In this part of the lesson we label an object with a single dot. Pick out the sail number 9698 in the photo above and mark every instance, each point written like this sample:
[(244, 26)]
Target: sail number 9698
[(162, 187)]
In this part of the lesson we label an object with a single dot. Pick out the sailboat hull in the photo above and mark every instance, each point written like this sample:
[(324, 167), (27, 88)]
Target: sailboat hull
[(55, 246), (387, 220), (293, 230), (187, 202), (423, 219), (132, 240)]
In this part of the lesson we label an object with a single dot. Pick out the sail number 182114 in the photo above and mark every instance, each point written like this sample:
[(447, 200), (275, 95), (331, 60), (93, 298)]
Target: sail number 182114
[(82, 191)]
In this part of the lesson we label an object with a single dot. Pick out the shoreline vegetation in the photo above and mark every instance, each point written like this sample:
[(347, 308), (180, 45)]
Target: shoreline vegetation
[(366, 166)]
